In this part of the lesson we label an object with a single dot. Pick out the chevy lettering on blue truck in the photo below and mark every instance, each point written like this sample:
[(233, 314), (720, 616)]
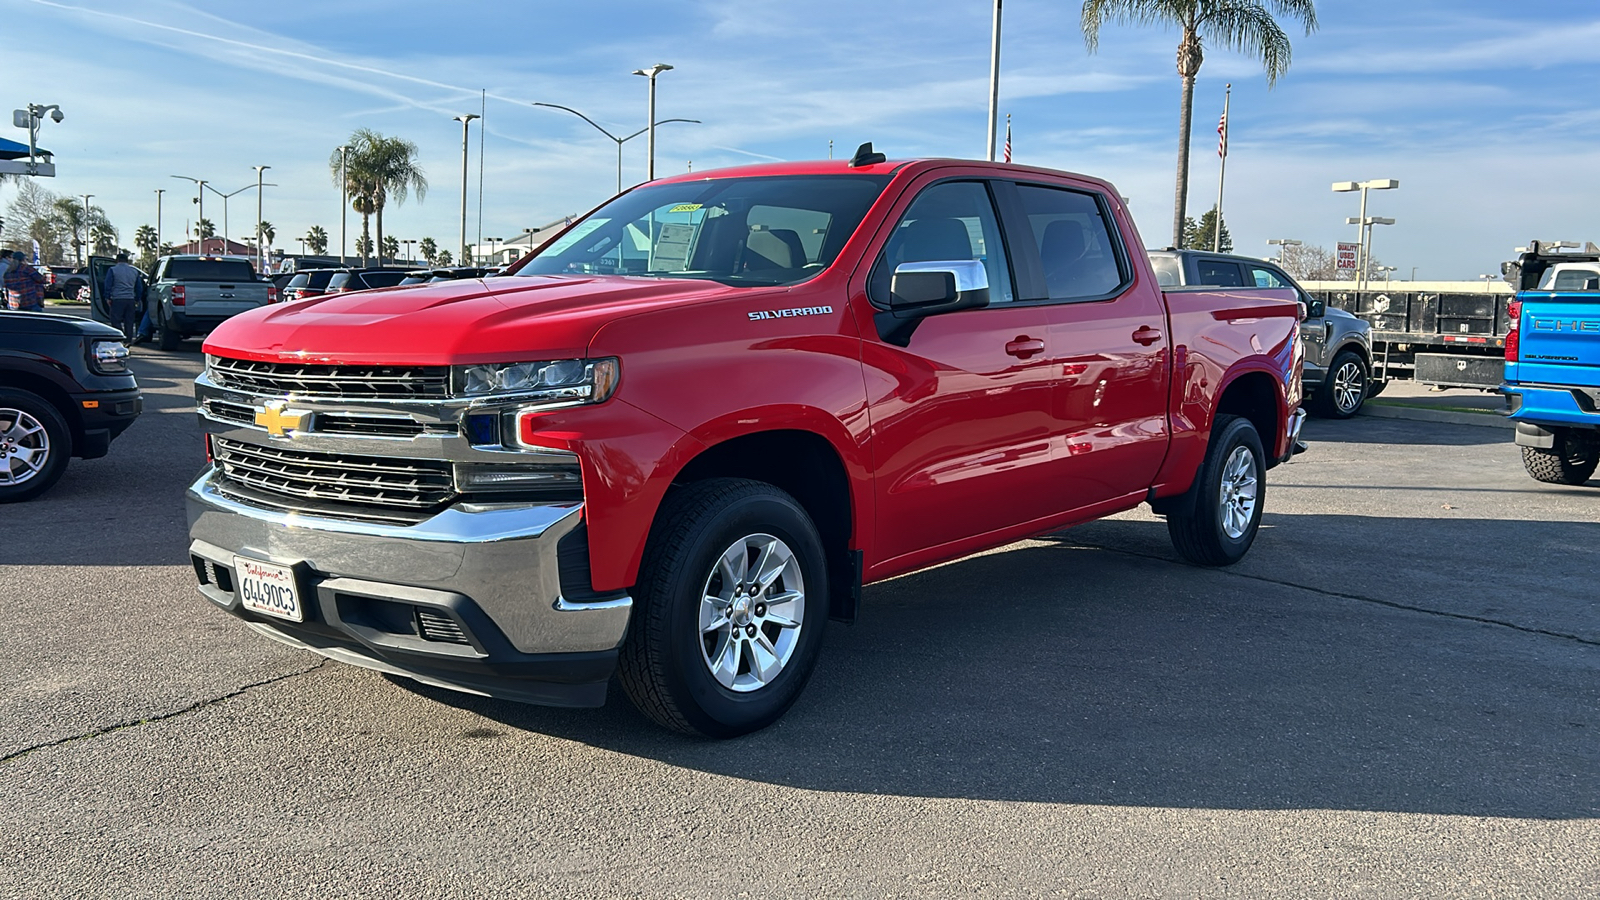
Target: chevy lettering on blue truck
[(1552, 380)]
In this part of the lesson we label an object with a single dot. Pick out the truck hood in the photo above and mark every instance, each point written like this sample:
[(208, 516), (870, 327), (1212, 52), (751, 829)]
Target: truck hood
[(508, 319)]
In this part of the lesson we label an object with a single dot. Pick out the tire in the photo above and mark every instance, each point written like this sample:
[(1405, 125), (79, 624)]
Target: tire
[(1344, 390), (1231, 490), (165, 337), (1375, 387), (35, 444), (1571, 461), (703, 655)]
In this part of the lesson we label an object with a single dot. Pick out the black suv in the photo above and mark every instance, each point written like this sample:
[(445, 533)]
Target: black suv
[(366, 279), (65, 390)]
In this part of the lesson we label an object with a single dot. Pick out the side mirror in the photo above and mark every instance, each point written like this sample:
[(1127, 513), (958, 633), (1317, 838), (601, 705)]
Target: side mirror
[(1317, 309), (922, 289)]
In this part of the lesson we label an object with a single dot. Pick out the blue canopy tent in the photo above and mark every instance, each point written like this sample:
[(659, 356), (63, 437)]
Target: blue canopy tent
[(14, 150)]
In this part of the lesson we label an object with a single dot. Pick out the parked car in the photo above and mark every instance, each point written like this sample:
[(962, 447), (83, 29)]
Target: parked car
[(424, 276), (812, 376), (1338, 346), (190, 295), (1552, 362), (64, 282), (366, 279), (308, 283), (65, 391)]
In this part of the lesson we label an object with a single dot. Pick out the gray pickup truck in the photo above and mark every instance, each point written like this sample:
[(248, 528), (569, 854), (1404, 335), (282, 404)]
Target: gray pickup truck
[(1338, 346), (191, 295)]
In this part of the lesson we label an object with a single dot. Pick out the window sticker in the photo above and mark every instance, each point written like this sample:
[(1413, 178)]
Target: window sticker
[(684, 207)]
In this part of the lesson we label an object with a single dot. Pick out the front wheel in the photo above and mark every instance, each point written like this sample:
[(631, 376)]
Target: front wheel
[(1345, 389), (729, 610), (1231, 486), (1571, 461), (34, 445)]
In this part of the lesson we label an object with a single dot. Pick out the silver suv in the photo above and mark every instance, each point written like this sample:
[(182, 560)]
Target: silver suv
[(1338, 346)]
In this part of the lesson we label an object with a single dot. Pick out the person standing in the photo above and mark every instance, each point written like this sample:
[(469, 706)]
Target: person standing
[(5, 264), (24, 284), (122, 290)]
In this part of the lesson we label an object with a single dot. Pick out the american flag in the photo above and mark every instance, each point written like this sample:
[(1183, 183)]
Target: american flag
[(1008, 138), (1222, 136)]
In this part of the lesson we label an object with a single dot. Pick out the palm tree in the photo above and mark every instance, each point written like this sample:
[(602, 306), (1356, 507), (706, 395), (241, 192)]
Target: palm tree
[(205, 229), (268, 233), (391, 248), (379, 169), (428, 249), (443, 259), (318, 239), (1246, 26)]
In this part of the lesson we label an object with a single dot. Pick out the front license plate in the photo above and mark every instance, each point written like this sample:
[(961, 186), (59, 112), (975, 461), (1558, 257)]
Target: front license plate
[(268, 589)]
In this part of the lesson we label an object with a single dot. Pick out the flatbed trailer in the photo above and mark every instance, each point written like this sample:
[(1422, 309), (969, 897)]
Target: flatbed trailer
[(1450, 334)]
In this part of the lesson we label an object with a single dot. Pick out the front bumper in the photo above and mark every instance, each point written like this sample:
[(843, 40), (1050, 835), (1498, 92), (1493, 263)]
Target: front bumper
[(104, 415), (473, 598)]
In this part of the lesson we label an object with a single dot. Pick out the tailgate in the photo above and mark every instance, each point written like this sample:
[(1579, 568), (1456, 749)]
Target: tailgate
[(1559, 339), (207, 299)]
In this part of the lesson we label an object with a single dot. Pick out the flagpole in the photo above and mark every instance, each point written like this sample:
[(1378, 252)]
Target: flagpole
[(1008, 138), (994, 79), (1222, 171)]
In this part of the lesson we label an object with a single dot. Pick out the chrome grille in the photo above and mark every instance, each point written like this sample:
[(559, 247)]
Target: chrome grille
[(344, 382), (233, 412), (376, 426), (334, 484)]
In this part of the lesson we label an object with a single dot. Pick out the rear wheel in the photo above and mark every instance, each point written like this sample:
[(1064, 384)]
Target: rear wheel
[(1231, 486), (35, 443), (1571, 461), (1344, 389), (165, 337), (730, 609)]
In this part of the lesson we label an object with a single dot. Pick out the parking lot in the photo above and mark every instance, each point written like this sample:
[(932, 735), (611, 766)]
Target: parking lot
[(1396, 694)]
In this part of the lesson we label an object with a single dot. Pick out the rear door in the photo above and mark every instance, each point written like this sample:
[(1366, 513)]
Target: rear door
[(1559, 339), (99, 305), (1109, 340)]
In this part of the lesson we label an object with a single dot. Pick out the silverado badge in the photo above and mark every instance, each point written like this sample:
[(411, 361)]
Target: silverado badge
[(277, 420)]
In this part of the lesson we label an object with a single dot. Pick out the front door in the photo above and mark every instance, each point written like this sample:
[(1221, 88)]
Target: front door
[(961, 421), (99, 305)]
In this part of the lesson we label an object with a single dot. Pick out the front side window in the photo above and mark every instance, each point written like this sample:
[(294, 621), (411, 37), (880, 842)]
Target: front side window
[(1267, 278), (738, 231), (1169, 270), (947, 222), (1076, 247)]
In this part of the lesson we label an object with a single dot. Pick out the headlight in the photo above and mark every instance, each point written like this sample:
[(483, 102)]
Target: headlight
[(561, 382), (109, 357)]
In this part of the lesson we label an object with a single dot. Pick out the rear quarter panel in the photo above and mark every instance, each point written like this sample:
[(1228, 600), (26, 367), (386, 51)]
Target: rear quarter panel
[(1220, 335)]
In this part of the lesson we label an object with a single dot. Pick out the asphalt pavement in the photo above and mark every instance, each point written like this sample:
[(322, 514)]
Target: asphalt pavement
[(1397, 694)]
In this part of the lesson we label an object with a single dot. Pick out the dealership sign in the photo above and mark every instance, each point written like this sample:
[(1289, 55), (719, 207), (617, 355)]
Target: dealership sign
[(1347, 255)]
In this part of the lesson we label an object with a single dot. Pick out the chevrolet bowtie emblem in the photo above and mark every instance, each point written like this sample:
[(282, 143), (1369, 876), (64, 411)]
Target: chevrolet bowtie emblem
[(277, 420)]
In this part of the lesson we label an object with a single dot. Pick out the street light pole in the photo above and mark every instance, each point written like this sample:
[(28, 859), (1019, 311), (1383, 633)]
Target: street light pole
[(465, 121), (261, 255), (344, 200), (1364, 231), (159, 192), (619, 140), (200, 198), (650, 142), (83, 251)]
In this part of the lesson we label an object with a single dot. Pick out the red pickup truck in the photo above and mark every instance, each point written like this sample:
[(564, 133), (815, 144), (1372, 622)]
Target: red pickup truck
[(680, 437)]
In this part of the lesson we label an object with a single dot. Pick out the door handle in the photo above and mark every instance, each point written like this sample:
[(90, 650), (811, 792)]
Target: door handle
[(1024, 346), (1146, 335)]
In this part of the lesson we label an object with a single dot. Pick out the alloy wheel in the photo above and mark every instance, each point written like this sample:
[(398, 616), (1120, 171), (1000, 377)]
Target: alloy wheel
[(24, 446), (752, 609), (1348, 386), (1238, 494)]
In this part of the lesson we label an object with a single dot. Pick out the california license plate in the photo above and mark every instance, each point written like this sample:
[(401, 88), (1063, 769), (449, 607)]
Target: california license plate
[(269, 589)]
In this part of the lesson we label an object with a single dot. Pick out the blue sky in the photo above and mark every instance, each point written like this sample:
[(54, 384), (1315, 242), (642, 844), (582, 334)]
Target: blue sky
[(1484, 109)]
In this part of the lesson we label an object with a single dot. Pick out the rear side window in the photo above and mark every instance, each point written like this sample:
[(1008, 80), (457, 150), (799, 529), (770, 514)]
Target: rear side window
[(299, 281), (1169, 270), (228, 270), (382, 279), (338, 281), (1219, 273), (1075, 243)]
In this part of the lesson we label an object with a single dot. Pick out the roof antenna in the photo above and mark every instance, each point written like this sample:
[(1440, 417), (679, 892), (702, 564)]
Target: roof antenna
[(865, 157)]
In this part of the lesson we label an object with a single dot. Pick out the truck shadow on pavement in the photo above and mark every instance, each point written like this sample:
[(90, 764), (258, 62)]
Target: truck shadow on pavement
[(1374, 430), (1087, 670)]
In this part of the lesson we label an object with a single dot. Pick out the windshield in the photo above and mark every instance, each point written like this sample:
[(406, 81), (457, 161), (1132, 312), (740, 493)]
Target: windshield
[(738, 231)]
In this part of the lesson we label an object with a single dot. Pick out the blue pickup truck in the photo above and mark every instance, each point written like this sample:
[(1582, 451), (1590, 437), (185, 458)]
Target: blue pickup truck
[(1552, 380)]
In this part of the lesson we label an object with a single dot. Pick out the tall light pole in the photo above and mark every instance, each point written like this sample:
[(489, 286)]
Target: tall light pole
[(465, 121), (159, 192), (619, 140), (225, 209), (85, 249), (650, 142), (200, 198), (1364, 231), (261, 253), (994, 80), (344, 199)]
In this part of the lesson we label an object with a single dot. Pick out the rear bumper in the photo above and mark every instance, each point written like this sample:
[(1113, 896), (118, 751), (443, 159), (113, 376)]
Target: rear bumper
[(471, 599), (1539, 407)]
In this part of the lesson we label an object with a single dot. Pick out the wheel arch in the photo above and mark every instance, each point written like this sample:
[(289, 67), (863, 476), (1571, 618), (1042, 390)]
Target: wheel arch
[(1256, 395), (52, 393), (809, 468)]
